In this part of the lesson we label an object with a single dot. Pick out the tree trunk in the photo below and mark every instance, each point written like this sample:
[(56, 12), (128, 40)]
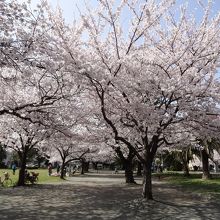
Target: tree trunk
[(216, 166), (39, 163), (205, 164), (139, 167), (186, 168), (21, 178), (86, 167), (129, 177), (127, 164), (185, 160), (147, 181), (82, 167), (62, 171), (149, 154)]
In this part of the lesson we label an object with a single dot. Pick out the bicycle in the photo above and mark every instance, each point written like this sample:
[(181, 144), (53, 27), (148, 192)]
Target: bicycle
[(5, 180), (33, 178)]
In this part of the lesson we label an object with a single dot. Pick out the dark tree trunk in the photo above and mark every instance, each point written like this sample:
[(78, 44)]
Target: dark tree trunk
[(82, 166), (39, 163), (94, 164), (185, 166), (205, 164), (86, 168), (147, 164), (21, 178), (127, 164), (186, 169), (62, 170), (147, 181), (185, 161), (129, 177), (139, 167)]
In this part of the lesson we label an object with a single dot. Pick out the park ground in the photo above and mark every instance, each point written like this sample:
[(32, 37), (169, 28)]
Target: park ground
[(105, 196)]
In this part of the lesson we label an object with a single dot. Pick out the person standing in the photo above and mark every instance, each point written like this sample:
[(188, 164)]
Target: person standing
[(58, 168), (49, 169), (13, 168)]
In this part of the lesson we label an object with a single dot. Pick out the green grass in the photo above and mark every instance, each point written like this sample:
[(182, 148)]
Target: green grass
[(43, 176), (194, 183)]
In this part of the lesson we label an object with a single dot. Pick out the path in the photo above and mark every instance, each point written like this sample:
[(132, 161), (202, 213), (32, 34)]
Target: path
[(103, 197)]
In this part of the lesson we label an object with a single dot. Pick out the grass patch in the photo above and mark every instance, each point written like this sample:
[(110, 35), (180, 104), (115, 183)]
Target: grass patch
[(193, 183), (43, 176)]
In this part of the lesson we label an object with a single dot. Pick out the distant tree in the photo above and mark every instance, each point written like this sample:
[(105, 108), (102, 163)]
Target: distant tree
[(206, 152), (171, 161), (39, 156), (180, 159), (22, 137), (68, 149), (3, 154)]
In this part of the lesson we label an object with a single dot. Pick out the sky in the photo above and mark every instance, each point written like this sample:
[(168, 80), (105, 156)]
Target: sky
[(71, 8)]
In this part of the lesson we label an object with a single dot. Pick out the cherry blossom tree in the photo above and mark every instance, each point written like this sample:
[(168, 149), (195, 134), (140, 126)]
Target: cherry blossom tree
[(32, 76), (154, 81), (108, 149), (126, 157), (68, 149), (73, 139), (33, 82), (22, 137)]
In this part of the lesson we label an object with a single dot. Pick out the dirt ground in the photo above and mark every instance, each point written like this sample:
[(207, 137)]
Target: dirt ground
[(103, 196)]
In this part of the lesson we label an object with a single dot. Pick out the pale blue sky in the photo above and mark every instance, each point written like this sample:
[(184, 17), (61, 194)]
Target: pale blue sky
[(70, 9)]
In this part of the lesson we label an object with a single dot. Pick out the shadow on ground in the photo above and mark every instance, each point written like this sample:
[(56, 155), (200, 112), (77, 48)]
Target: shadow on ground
[(82, 202)]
